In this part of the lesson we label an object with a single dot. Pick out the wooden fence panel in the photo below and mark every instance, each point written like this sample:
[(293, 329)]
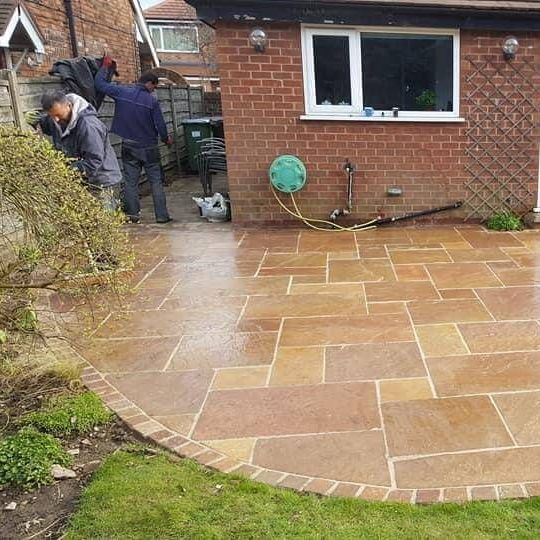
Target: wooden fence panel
[(177, 104)]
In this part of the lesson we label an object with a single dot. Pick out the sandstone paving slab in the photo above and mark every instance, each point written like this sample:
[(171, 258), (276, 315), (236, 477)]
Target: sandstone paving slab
[(224, 349), (485, 373), (145, 298), (378, 308), (129, 355), (162, 393), (245, 377), (384, 236), (360, 270), (374, 361), (478, 255), (241, 449), (316, 331), (522, 414), (481, 239), (512, 303), (462, 275), (326, 242), (452, 294), (240, 254), (435, 235), (293, 271), (258, 325), (286, 260), (372, 252), (419, 256), (401, 291), (440, 340), (512, 277), (344, 289), (279, 243), (164, 323), (506, 466), (305, 280), (501, 336), (263, 412), (212, 285), (432, 426), (448, 311), (353, 457), (411, 272), (405, 390), (526, 259), (298, 365), (304, 305), (180, 423)]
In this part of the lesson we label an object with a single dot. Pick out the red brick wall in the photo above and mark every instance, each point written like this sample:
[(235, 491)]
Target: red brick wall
[(100, 25), (263, 99)]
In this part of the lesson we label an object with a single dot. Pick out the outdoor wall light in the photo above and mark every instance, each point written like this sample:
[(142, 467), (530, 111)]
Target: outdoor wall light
[(258, 39), (510, 47)]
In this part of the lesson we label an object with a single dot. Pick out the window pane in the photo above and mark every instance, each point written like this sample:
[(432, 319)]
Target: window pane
[(332, 70), (180, 39), (156, 36), (412, 72)]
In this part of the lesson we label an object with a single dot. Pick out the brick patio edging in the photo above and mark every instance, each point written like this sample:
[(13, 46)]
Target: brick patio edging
[(185, 447)]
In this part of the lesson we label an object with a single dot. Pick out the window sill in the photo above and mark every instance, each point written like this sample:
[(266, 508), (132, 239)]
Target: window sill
[(344, 118)]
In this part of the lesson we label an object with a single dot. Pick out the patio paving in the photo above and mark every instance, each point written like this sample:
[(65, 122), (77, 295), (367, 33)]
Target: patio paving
[(394, 364)]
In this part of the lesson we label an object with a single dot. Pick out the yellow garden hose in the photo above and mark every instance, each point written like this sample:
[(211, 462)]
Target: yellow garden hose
[(307, 221)]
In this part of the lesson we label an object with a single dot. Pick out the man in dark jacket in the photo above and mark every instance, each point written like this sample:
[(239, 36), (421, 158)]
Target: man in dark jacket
[(77, 131), (139, 121)]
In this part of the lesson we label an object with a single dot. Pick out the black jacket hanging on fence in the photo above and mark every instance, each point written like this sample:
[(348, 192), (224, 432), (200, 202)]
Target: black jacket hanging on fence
[(78, 75)]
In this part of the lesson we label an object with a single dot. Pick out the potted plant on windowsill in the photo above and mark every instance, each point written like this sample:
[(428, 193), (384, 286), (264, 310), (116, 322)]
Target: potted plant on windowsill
[(427, 100)]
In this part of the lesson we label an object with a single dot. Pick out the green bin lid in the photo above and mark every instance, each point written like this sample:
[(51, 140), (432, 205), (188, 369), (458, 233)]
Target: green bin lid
[(288, 174)]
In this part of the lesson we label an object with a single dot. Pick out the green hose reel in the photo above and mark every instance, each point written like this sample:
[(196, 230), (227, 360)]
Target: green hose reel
[(288, 174)]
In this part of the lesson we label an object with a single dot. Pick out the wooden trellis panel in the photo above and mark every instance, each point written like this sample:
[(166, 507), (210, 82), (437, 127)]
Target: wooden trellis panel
[(502, 149)]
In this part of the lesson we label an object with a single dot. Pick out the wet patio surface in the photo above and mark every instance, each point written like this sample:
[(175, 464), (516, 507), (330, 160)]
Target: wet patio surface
[(397, 364)]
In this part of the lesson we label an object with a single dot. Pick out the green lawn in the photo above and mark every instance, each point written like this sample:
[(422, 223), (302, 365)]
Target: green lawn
[(134, 496)]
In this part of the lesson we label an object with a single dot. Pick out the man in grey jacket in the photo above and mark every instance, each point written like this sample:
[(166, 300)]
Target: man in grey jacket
[(77, 131)]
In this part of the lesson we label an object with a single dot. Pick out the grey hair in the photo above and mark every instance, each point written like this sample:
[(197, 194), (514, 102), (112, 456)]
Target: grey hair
[(50, 99)]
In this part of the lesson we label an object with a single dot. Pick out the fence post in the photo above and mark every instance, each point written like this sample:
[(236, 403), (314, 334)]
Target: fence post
[(15, 99), (175, 127), (190, 112)]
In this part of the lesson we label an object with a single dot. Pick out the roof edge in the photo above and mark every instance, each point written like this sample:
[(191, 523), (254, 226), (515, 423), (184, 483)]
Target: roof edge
[(371, 12)]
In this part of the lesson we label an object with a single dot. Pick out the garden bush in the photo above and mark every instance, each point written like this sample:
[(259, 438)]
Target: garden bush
[(26, 458), (69, 414), (505, 221), (54, 235)]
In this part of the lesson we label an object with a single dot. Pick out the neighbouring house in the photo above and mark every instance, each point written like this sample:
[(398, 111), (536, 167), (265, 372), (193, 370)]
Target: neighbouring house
[(36, 33), (185, 44), (418, 94)]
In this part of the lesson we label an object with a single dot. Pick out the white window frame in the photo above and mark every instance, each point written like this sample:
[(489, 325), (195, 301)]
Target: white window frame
[(161, 27), (355, 111)]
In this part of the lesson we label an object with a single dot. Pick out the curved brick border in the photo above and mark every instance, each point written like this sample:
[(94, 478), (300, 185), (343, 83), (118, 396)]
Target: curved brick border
[(156, 432)]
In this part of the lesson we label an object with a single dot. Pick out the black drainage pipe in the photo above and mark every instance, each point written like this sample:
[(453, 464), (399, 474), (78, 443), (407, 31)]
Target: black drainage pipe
[(71, 25)]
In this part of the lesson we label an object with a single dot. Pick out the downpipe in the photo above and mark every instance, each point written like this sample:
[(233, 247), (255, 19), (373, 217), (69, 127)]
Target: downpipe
[(350, 169)]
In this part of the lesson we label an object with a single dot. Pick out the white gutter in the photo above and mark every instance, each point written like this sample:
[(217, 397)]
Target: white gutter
[(143, 27)]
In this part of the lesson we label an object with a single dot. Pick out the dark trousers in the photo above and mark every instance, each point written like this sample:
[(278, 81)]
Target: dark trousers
[(134, 159)]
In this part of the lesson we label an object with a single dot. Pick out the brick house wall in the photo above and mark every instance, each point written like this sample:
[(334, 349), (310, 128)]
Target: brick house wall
[(101, 25), (263, 99)]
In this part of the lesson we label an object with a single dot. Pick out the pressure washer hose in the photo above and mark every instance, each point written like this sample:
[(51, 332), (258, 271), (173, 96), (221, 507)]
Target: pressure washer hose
[(334, 226)]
